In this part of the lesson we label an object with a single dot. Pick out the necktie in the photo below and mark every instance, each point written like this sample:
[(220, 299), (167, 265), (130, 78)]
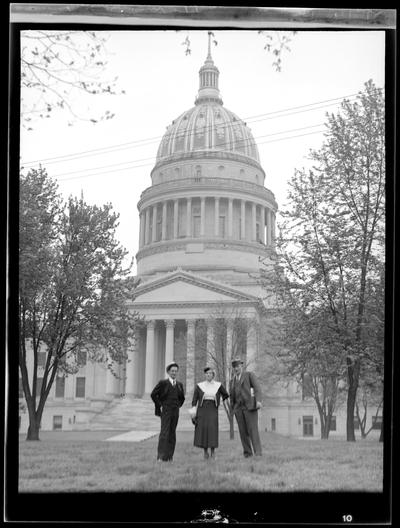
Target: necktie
[(173, 383)]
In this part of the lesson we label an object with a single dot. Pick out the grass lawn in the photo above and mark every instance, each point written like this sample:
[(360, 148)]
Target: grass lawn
[(61, 462)]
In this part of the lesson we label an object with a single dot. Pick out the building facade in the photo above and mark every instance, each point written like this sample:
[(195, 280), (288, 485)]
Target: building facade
[(205, 222)]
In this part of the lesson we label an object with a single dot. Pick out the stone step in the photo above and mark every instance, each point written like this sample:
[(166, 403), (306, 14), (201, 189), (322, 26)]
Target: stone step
[(138, 414)]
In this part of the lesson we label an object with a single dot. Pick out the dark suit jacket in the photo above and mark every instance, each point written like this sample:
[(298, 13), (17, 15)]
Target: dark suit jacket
[(248, 380), (159, 394)]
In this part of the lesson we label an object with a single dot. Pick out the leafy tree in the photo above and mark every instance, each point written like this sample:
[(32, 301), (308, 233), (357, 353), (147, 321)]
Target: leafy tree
[(309, 353), (73, 289), (331, 246), (59, 70)]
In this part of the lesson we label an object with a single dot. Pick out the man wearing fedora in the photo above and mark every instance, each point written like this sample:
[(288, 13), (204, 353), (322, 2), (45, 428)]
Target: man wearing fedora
[(245, 398), (168, 395)]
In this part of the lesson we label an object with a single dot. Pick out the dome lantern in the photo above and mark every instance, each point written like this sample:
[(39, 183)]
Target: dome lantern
[(208, 79)]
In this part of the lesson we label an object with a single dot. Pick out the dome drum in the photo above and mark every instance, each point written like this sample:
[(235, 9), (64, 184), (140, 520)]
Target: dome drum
[(208, 167)]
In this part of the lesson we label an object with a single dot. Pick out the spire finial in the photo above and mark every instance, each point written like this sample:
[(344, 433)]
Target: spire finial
[(210, 33)]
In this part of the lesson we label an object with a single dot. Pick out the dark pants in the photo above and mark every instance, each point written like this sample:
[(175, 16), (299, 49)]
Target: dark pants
[(248, 429), (167, 439)]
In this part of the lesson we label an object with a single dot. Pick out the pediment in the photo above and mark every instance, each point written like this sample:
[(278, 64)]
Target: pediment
[(183, 287)]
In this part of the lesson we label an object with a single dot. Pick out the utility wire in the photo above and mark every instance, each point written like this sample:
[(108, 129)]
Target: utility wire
[(139, 142), (242, 142), (150, 164)]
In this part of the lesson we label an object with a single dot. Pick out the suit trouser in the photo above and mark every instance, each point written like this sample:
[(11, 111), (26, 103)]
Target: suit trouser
[(248, 429), (167, 439)]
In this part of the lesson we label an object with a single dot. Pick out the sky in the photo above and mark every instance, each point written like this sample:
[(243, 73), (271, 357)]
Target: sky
[(285, 110)]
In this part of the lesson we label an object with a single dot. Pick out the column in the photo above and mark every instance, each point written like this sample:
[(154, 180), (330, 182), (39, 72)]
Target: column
[(147, 226), (169, 342), (131, 368), (148, 383), (89, 375), (230, 217), (191, 325), (164, 221), (253, 222), (251, 345), (70, 385), (141, 230), (269, 232), (188, 217), (202, 215), (273, 220), (216, 223), (262, 224), (242, 219), (112, 381), (176, 218), (154, 237), (210, 343)]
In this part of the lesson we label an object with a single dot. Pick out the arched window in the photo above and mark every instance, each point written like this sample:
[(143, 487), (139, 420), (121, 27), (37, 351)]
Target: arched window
[(197, 173)]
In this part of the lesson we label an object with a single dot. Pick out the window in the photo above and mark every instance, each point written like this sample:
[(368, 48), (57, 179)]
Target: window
[(42, 359), (197, 174), (376, 422), (80, 388), (257, 231), (196, 226), (81, 358), (308, 426), (39, 386), (221, 226), (273, 424), (60, 387), (307, 391), (333, 424), (57, 422)]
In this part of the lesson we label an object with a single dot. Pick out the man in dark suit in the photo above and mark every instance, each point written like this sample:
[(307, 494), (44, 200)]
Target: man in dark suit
[(245, 397), (168, 395)]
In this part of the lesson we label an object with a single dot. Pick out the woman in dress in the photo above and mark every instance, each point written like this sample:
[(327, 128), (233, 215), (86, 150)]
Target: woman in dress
[(207, 397)]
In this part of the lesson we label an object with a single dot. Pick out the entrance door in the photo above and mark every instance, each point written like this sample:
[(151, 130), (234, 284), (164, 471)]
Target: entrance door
[(308, 426)]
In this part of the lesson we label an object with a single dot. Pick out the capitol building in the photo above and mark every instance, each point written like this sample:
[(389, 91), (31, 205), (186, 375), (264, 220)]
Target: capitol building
[(206, 222)]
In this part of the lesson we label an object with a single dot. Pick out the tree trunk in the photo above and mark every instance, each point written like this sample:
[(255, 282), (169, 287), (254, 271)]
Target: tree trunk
[(33, 429), (324, 433), (381, 435), (352, 372)]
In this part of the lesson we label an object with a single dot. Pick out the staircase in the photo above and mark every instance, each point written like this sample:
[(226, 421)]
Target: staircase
[(129, 414)]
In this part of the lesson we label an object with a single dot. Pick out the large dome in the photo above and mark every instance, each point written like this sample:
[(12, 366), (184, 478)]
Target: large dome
[(208, 126)]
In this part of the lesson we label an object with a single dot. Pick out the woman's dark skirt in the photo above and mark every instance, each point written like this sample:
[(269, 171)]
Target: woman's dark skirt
[(206, 430)]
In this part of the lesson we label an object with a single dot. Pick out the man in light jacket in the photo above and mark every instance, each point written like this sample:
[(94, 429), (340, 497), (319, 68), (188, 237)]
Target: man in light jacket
[(245, 398)]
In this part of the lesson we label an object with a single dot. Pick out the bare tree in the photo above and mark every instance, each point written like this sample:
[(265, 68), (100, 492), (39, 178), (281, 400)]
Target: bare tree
[(229, 330), (63, 70)]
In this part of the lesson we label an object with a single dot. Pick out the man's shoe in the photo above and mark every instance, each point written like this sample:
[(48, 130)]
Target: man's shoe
[(247, 455)]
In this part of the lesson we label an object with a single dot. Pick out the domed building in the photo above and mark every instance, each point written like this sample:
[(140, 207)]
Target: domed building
[(205, 222)]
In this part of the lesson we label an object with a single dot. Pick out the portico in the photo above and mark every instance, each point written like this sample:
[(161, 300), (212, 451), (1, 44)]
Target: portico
[(183, 327)]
